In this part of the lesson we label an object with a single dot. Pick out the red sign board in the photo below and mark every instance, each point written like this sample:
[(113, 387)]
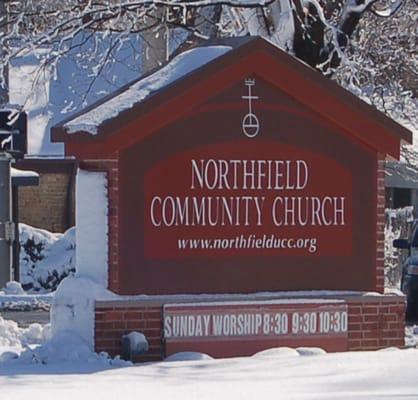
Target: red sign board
[(243, 328), (222, 200), (240, 198), (252, 173)]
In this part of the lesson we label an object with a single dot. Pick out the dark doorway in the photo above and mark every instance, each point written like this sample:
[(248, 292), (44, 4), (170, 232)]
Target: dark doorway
[(401, 197)]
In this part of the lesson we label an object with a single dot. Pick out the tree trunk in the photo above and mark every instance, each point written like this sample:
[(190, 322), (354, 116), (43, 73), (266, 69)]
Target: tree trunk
[(155, 42)]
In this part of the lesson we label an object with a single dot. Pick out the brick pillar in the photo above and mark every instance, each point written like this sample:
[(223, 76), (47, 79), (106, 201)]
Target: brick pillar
[(380, 224), (111, 167)]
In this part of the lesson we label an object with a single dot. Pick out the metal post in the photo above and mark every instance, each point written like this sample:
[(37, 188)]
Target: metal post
[(5, 219), (16, 242)]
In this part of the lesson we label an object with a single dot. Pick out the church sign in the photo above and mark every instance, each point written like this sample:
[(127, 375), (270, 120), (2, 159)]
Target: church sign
[(246, 201), (223, 199), (248, 190)]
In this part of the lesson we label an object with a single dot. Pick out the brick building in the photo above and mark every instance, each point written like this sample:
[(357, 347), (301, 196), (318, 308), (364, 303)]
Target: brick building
[(50, 205)]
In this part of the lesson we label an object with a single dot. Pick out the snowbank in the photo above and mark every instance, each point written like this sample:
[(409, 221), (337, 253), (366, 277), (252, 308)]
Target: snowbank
[(73, 307), (25, 302), (70, 337), (188, 356), (66, 347), (13, 336), (13, 340), (290, 352), (35, 345), (335, 376), (13, 288), (277, 352), (14, 298)]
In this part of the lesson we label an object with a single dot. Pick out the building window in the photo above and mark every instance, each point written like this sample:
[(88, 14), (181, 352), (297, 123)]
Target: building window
[(401, 197)]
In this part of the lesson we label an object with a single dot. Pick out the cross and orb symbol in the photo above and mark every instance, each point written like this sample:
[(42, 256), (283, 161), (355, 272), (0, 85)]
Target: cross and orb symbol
[(250, 122)]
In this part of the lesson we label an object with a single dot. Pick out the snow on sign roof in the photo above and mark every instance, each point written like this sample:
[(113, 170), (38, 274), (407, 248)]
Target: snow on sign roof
[(180, 66), (197, 74)]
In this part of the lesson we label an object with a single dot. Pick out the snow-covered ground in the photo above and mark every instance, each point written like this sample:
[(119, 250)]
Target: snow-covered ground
[(275, 374)]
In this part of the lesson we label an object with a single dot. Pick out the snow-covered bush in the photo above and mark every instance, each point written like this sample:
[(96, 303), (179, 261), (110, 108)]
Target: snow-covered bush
[(45, 258)]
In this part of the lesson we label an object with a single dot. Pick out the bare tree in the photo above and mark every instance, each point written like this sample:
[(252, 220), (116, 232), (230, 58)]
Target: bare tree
[(381, 66), (324, 33)]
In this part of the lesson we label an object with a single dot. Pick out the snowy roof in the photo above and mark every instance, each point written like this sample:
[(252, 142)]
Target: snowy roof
[(181, 65), (18, 173), (90, 118), (24, 178), (239, 56)]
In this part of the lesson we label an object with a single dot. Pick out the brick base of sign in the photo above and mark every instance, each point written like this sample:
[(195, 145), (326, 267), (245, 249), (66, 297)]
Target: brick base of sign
[(374, 322), (114, 321)]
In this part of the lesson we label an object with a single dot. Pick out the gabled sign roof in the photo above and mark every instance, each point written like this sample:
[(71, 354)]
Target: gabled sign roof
[(191, 78)]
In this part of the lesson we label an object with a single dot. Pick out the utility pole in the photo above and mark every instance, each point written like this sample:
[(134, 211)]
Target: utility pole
[(5, 219)]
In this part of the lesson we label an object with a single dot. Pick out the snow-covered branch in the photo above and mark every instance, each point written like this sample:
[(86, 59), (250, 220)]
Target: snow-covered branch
[(324, 34)]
